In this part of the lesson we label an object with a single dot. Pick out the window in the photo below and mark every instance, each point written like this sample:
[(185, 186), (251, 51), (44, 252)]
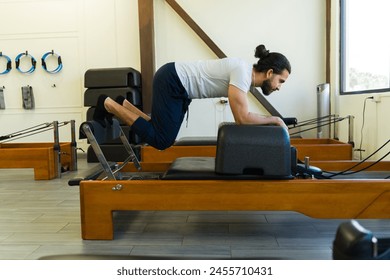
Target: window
[(365, 46)]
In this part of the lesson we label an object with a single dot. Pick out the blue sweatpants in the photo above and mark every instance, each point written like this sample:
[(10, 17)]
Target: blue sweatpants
[(169, 104)]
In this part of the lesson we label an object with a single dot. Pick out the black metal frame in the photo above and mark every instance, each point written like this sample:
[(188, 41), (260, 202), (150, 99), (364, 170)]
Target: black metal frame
[(110, 173)]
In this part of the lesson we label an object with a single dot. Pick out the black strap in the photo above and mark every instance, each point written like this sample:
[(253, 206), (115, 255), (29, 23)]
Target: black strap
[(33, 63), (59, 61), (9, 64)]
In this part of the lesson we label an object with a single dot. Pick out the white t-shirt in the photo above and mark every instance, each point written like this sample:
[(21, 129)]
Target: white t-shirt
[(211, 78)]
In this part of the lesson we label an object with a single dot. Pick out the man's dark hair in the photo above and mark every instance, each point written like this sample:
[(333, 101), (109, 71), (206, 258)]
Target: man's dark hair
[(270, 60)]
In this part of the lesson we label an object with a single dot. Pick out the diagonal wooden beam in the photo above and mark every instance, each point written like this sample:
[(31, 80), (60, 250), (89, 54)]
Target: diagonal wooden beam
[(263, 101), (196, 28)]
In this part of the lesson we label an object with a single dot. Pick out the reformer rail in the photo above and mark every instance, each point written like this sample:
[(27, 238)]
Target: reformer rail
[(317, 123)]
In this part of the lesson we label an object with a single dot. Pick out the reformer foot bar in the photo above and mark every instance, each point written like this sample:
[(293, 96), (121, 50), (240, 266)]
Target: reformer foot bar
[(228, 183), (48, 160)]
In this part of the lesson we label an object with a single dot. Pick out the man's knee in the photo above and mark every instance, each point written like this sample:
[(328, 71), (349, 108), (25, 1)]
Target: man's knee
[(163, 145)]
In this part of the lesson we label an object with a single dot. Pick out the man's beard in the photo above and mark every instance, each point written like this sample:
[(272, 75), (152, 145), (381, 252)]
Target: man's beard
[(266, 87)]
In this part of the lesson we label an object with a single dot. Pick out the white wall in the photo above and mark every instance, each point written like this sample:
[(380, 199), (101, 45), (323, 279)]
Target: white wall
[(37, 27), (376, 129), (87, 34), (104, 33), (295, 28)]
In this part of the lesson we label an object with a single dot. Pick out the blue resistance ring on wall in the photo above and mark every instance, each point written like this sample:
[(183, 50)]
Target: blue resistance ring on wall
[(9, 64), (59, 61), (33, 63)]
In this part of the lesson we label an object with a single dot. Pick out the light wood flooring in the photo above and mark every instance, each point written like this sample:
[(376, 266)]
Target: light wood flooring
[(42, 218)]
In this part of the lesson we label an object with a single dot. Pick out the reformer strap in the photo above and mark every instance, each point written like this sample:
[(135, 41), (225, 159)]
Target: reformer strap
[(9, 64), (33, 63), (59, 61)]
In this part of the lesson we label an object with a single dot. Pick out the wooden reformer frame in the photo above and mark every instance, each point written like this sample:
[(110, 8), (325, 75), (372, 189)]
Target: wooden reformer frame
[(315, 149), (47, 159), (328, 199), (365, 198), (331, 199)]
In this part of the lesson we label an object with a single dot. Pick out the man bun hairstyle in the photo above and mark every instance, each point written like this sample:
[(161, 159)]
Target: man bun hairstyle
[(270, 60), (261, 52)]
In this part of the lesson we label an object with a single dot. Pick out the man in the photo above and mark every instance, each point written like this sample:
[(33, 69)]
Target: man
[(176, 84)]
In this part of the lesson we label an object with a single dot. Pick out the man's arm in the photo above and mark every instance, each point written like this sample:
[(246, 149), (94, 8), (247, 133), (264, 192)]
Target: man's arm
[(239, 105)]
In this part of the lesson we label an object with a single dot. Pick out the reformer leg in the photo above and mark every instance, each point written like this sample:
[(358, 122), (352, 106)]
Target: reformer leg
[(57, 149), (73, 145)]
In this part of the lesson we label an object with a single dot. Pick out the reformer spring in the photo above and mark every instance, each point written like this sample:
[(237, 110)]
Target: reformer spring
[(345, 172), (317, 123), (332, 119)]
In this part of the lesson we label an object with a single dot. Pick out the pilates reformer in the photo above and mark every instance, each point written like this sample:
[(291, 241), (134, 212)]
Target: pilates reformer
[(48, 160), (317, 149), (254, 170)]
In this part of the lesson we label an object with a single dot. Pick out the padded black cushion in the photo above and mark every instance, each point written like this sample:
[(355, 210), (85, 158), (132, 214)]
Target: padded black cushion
[(102, 134), (91, 95), (243, 152), (191, 168), (202, 168), (112, 77), (253, 149), (197, 141)]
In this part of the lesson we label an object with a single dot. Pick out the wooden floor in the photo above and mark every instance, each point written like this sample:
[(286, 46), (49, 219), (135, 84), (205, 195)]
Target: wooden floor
[(41, 218)]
